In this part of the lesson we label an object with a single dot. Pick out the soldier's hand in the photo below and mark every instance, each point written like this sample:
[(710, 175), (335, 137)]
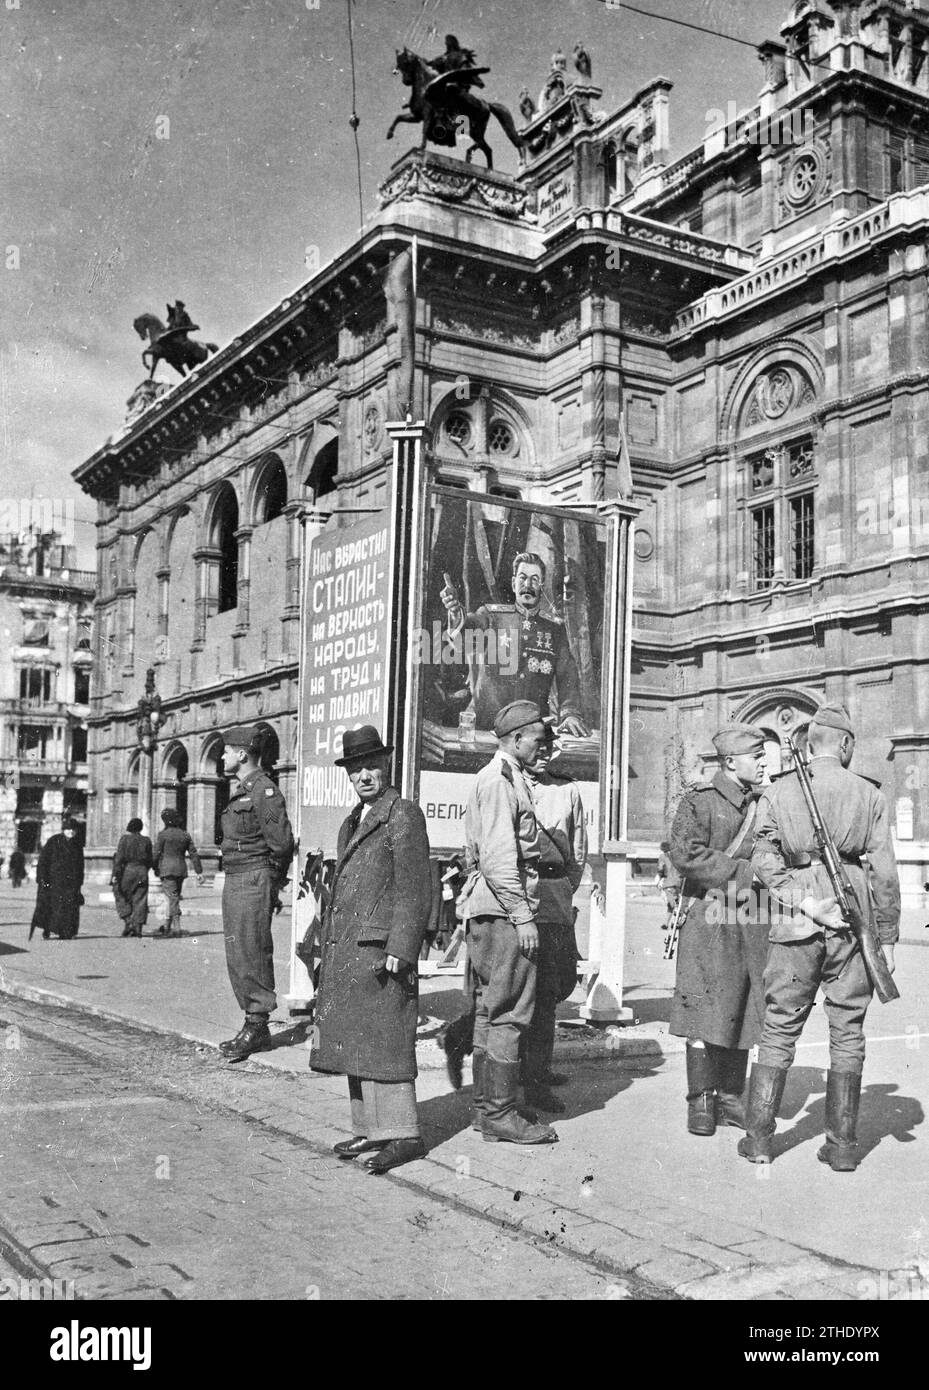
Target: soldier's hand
[(888, 950), (574, 726), (449, 595), (528, 935), (824, 911), (392, 964)]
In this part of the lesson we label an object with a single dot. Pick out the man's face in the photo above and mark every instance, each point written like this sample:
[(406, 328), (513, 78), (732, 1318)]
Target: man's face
[(527, 586), (232, 757), (70, 833), (749, 768), (368, 777), (528, 742), (544, 755), (847, 749)]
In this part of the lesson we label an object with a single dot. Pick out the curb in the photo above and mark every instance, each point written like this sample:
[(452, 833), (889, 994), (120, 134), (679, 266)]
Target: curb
[(661, 1259)]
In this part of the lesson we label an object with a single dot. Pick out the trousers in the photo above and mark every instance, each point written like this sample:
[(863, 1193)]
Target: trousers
[(131, 895), (172, 888), (794, 972), (249, 944), (555, 979), (383, 1109), (504, 985)]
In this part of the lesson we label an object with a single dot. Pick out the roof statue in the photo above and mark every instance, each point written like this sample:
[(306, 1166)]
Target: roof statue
[(442, 100)]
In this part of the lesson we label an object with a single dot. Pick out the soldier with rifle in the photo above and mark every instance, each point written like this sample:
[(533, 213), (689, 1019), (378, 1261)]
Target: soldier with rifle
[(823, 846)]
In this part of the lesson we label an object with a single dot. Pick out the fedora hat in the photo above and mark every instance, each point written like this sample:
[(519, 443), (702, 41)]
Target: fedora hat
[(362, 743)]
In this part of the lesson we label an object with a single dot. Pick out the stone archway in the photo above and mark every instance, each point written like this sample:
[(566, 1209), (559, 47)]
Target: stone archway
[(778, 713)]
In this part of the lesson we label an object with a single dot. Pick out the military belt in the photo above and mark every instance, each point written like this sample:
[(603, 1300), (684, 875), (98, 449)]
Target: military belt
[(801, 859), (552, 871)]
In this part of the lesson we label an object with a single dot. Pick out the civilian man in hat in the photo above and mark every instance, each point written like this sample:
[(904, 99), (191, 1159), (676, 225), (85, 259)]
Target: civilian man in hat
[(379, 909), (257, 844), (718, 1001), (563, 854), (814, 948), (525, 653), (501, 901)]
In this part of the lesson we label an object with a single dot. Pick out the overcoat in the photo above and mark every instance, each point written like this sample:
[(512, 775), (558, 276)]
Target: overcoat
[(171, 850), (59, 875), (722, 949), (379, 906)]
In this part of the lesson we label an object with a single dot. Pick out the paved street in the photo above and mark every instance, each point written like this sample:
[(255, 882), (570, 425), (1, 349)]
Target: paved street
[(657, 1211)]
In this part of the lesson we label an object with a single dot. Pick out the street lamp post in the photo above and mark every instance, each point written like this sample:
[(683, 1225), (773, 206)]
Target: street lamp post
[(147, 736)]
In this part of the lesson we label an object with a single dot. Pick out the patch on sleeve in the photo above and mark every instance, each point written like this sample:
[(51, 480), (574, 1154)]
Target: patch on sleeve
[(269, 791)]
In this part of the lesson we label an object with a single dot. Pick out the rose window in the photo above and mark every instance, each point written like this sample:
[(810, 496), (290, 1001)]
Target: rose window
[(458, 429), (500, 438)]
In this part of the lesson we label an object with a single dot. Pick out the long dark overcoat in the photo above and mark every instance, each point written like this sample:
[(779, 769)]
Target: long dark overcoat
[(59, 875), (381, 898), (723, 946)]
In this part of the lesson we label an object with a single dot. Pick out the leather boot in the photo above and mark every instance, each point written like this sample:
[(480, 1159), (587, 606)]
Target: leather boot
[(731, 1066), (701, 1092), (458, 1041), (500, 1120), (843, 1092), (255, 1037), (232, 1043), (765, 1092), (478, 1060)]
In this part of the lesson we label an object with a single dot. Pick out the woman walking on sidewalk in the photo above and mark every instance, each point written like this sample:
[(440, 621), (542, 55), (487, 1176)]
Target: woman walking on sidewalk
[(172, 849), (131, 863), (59, 876)]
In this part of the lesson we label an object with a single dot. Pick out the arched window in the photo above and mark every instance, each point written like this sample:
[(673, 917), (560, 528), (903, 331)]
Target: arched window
[(271, 493), (323, 476), (225, 525), (175, 772), (610, 171), (485, 437)]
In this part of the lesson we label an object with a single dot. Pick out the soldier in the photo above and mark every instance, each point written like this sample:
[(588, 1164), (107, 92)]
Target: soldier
[(563, 844), (256, 847), (717, 1003), (815, 947), (501, 901), (524, 653)]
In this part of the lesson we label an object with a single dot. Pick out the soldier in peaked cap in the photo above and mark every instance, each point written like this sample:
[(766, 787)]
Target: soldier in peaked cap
[(814, 947), (257, 843), (717, 1003), (501, 904)]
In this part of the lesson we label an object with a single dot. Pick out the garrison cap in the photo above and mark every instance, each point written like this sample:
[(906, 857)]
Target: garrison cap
[(738, 738), (516, 716), (249, 737), (833, 716)]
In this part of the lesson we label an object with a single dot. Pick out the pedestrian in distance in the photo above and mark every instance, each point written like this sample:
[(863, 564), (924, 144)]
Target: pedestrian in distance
[(380, 903), (131, 863), (173, 847), (59, 877), (501, 902), (718, 1001), (17, 868), (814, 948), (257, 847)]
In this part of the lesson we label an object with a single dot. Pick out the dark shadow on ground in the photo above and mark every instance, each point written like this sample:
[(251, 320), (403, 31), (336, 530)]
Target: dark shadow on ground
[(590, 1087), (649, 1008), (6, 949), (884, 1113)]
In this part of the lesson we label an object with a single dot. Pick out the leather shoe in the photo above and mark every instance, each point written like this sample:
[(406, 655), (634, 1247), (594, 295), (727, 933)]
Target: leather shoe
[(395, 1152), (351, 1148), (230, 1043), (255, 1037)]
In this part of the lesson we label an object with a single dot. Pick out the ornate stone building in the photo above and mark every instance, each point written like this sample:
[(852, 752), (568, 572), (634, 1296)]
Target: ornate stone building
[(46, 615), (750, 319)]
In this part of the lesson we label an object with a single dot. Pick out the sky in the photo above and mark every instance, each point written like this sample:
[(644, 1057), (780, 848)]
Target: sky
[(194, 149)]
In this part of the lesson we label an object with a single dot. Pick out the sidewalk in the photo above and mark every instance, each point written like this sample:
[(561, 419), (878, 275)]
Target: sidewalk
[(626, 1185)]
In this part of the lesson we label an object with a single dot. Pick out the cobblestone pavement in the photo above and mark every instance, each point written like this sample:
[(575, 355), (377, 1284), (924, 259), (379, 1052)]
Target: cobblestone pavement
[(128, 1169)]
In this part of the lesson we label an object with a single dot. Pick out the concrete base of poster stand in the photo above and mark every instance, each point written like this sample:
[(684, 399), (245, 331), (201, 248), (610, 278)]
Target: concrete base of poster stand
[(604, 1002)]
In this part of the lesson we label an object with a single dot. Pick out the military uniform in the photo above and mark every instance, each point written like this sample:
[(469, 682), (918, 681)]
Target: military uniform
[(503, 851), (805, 955), (563, 845), (529, 654), (257, 843), (718, 1000)]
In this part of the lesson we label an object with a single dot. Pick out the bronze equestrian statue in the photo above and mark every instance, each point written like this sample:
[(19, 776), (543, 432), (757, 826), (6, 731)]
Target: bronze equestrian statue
[(442, 98), (171, 343)]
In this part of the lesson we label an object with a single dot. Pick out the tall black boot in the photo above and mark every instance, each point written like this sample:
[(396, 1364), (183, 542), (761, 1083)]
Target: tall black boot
[(478, 1059), (843, 1093), (500, 1120), (731, 1066), (765, 1093), (701, 1091)]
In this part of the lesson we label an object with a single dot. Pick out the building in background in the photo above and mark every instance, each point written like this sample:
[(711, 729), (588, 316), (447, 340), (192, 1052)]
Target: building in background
[(46, 623), (738, 340)]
